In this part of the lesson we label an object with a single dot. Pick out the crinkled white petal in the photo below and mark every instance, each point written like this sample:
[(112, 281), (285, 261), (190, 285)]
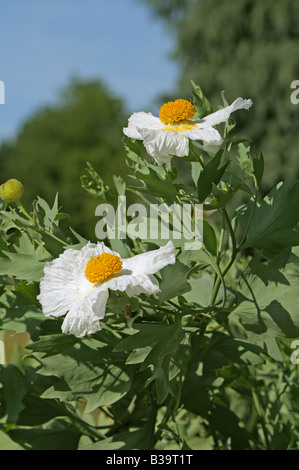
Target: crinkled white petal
[(59, 285), (83, 319), (141, 120), (212, 147), (64, 283), (136, 275), (143, 284), (162, 145), (222, 115), (151, 261), (64, 289), (131, 284), (207, 135)]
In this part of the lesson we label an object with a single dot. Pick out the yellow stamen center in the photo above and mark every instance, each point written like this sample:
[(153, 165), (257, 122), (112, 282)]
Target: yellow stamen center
[(176, 111), (99, 268)]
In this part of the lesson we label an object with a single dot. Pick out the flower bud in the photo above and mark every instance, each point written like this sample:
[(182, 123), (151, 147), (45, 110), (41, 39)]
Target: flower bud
[(11, 191)]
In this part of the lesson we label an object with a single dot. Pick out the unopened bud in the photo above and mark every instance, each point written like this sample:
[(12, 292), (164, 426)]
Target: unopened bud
[(11, 191)]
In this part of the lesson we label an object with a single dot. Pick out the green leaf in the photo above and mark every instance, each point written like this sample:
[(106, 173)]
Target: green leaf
[(27, 263), (89, 373), (201, 103), (227, 424), (209, 238), (51, 345), (141, 439), (94, 185), (147, 335), (195, 393), (161, 377), (222, 350), (267, 312), (45, 439), (50, 214), (272, 221), (166, 339), (202, 287), (155, 185), (22, 267), (174, 281), (270, 270), (133, 150), (212, 173), (244, 159), (258, 169), (120, 185), (14, 389), (221, 197), (27, 293), (6, 443)]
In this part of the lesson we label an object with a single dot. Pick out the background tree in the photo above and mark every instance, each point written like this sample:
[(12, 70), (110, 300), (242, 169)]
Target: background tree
[(248, 49), (51, 150)]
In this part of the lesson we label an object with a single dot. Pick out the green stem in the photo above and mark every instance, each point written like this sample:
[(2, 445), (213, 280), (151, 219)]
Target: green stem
[(197, 157), (220, 246), (170, 410), (231, 230), (23, 210), (231, 261), (259, 408), (198, 344)]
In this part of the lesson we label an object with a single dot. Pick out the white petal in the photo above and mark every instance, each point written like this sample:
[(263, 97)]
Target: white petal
[(143, 285), (222, 115), (207, 134), (131, 284), (136, 276), (162, 145), (141, 120), (55, 299), (59, 286), (64, 283), (84, 318), (151, 261), (212, 147), (65, 290)]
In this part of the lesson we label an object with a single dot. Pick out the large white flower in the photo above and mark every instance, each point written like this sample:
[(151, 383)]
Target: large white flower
[(77, 283), (169, 134)]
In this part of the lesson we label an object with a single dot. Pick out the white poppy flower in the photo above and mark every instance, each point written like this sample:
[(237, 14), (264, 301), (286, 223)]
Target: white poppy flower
[(169, 134), (77, 283)]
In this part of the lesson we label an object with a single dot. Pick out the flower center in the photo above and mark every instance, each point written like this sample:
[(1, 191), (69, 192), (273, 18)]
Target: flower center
[(176, 111), (101, 267), (180, 127)]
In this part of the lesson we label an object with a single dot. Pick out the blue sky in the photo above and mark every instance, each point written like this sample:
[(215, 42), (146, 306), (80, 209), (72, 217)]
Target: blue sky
[(43, 44)]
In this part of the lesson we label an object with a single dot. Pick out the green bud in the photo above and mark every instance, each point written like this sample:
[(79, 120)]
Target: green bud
[(11, 191)]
